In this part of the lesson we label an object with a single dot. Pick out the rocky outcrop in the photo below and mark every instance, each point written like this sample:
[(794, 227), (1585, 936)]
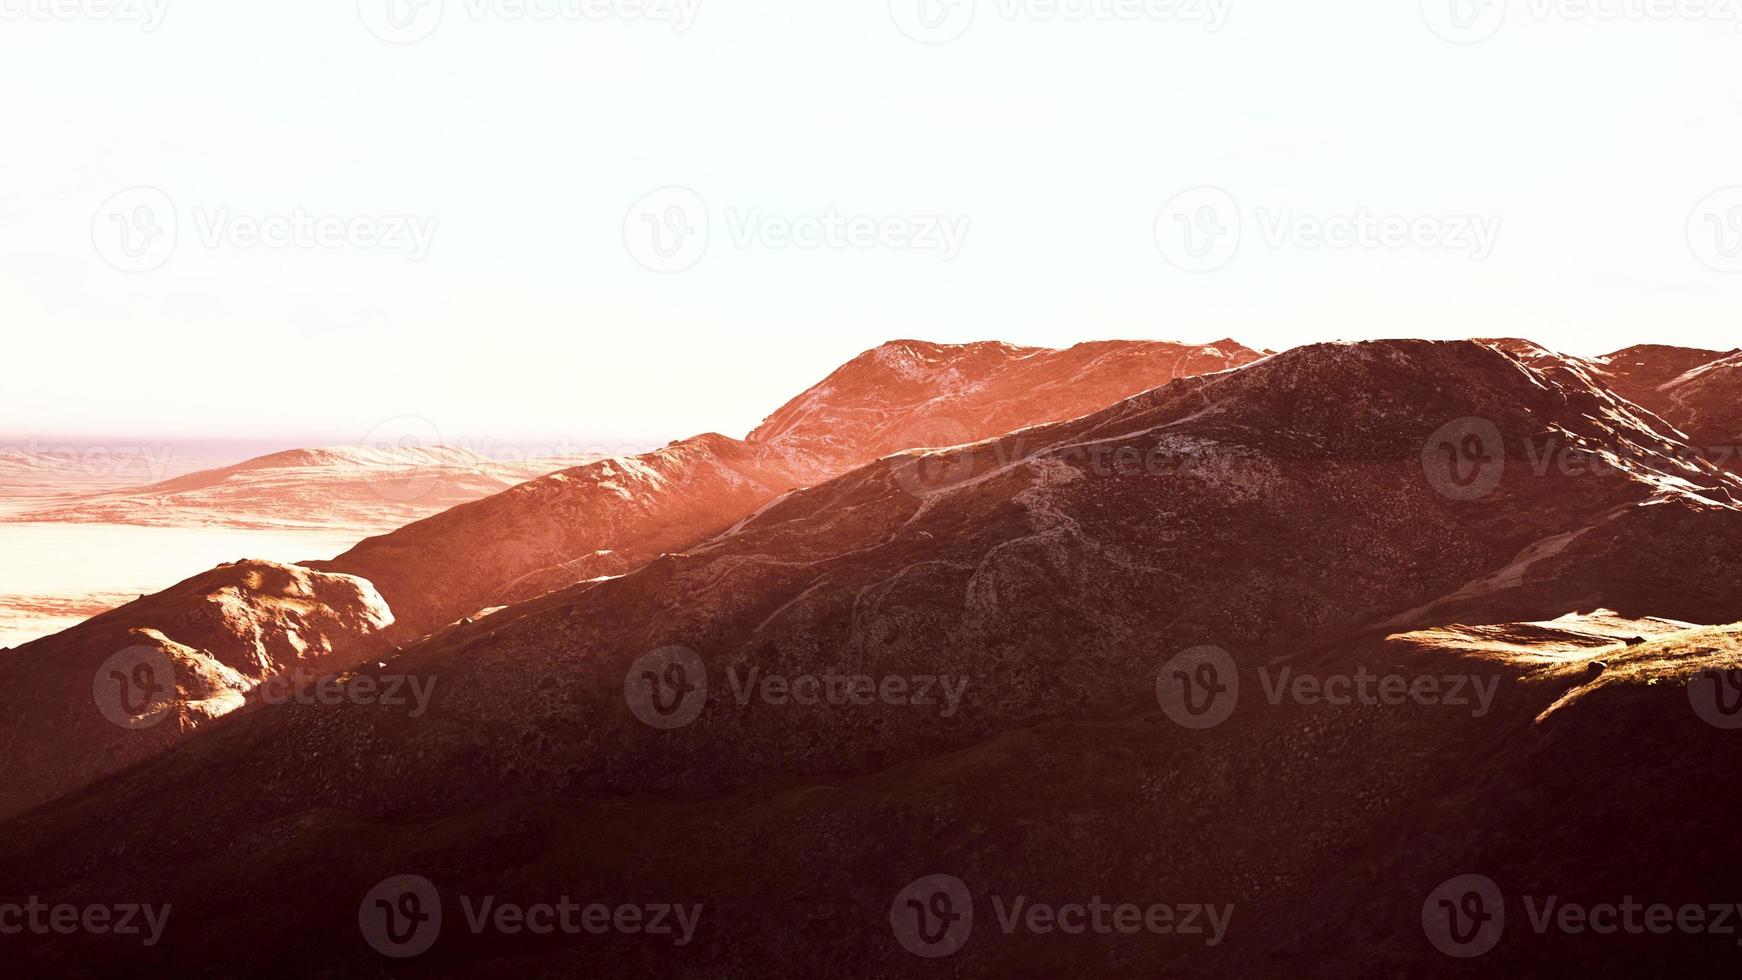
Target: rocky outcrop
[(133, 682)]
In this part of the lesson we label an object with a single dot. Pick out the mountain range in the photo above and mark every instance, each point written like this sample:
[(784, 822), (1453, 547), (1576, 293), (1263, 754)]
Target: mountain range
[(1099, 600)]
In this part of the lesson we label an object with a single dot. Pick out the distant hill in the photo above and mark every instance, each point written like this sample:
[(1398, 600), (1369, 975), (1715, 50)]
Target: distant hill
[(369, 490)]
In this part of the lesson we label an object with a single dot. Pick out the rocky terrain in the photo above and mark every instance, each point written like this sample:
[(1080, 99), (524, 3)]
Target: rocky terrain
[(911, 393), (1111, 616), (1707, 402), (614, 515), (132, 682), (579, 525)]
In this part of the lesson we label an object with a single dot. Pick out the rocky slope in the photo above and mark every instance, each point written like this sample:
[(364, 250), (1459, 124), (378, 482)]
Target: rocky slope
[(584, 523), (1640, 372), (132, 682), (1693, 390), (1706, 401), (910, 393), (1331, 511), (613, 515)]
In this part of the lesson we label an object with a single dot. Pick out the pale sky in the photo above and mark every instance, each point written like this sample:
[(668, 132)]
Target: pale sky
[(1019, 178)]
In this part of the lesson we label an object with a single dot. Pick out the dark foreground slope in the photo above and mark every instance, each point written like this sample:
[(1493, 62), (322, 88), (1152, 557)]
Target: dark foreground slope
[(1111, 601)]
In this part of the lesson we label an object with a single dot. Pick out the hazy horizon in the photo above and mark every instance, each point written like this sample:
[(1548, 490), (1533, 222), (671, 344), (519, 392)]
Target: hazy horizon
[(219, 450), (634, 222)]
